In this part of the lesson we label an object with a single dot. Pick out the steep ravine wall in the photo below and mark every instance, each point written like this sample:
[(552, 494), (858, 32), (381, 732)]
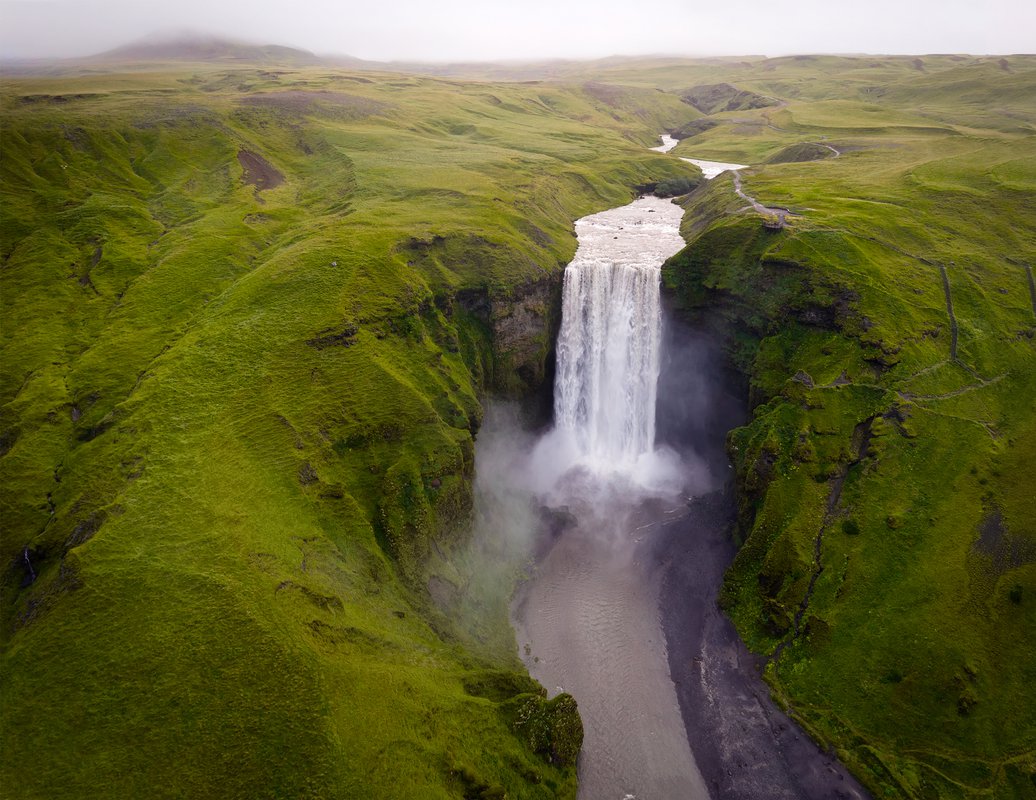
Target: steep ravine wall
[(845, 495), (522, 324), (507, 338)]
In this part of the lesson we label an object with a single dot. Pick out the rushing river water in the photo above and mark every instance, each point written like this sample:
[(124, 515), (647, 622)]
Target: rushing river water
[(588, 622), (709, 169), (633, 491), (668, 143)]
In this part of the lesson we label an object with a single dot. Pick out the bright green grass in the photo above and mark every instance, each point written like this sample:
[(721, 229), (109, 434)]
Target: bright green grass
[(913, 659), (232, 528)]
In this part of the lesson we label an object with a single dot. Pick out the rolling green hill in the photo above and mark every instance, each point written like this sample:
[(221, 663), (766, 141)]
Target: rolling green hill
[(249, 316), (886, 482), (247, 319)]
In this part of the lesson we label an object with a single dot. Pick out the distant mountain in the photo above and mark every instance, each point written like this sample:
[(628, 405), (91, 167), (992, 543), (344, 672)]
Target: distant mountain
[(197, 47)]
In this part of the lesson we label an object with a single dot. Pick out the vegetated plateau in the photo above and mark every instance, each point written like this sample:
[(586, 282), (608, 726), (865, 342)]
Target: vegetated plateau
[(250, 312)]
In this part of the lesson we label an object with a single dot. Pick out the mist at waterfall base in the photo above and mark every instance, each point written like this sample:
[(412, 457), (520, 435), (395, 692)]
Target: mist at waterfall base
[(622, 524), (615, 455), (525, 477), (639, 397)]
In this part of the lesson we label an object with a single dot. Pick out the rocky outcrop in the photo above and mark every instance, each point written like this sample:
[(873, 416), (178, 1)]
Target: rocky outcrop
[(715, 98), (522, 323)]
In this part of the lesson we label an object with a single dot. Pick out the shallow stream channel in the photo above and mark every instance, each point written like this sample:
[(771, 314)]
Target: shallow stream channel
[(634, 504)]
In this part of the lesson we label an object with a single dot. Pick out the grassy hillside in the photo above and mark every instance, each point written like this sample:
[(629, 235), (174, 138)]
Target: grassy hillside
[(247, 319), (245, 334), (886, 480)]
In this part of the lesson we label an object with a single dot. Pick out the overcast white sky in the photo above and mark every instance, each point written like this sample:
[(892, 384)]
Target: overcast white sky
[(468, 29)]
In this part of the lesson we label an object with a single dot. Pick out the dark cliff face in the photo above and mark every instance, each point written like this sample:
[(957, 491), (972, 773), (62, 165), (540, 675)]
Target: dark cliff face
[(506, 337), (503, 343), (522, 324)]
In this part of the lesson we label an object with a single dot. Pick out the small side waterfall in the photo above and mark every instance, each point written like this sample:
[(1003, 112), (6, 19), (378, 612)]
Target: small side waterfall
[(610, 339)]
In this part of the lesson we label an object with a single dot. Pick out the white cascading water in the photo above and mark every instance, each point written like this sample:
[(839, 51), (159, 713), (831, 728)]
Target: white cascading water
[(611, 330), (589, 620)]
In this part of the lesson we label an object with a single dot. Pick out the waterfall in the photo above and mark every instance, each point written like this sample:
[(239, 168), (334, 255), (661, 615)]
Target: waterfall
[(608, 359), (611, 330)]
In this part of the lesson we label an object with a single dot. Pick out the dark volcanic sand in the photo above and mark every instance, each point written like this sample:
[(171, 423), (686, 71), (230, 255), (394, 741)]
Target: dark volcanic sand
[(744, 745)]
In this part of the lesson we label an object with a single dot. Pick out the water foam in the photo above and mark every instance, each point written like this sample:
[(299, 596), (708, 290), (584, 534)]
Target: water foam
[(609, 346)]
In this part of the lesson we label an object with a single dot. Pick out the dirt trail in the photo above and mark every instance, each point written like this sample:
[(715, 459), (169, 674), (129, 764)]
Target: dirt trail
[(834, 150), (766, 211), (1032, 287)]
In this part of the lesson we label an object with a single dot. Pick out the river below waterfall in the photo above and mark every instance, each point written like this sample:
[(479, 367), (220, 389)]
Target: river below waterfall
[(588, 622), (628, 500)]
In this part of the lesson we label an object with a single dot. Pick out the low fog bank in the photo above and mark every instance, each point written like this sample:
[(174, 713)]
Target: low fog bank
[(453, 30)]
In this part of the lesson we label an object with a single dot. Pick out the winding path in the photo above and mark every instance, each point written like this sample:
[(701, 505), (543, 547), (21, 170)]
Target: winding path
[(713, 169), (834, 150), (756, 205), (1032, 283), (1032, 288)]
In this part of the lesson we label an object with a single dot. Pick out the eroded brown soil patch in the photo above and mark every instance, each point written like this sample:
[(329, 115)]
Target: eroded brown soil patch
[(259, 172)]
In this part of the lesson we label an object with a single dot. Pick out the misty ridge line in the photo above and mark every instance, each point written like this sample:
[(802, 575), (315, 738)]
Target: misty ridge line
[(202, 46)]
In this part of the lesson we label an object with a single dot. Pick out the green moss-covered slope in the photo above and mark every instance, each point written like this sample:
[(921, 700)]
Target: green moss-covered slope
[(886, 478), (247, 319)]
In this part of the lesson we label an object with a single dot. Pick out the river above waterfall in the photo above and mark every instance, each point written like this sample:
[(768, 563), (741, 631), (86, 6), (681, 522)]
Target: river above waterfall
[(710, 169), (668, 143)]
